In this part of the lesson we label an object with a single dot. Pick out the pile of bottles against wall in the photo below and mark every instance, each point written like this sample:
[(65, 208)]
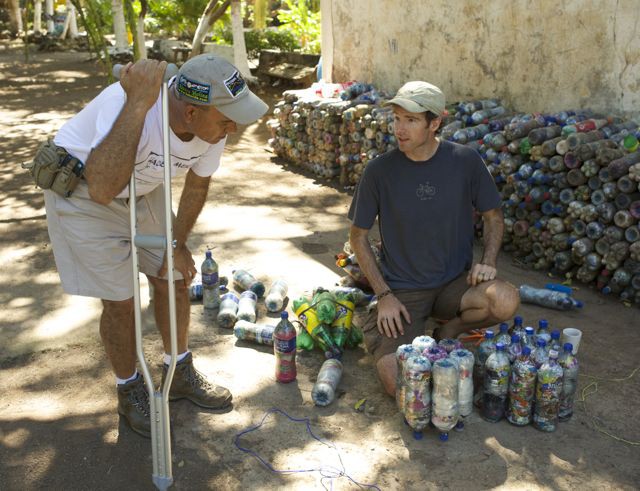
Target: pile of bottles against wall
[(520, 375), (570, 181)]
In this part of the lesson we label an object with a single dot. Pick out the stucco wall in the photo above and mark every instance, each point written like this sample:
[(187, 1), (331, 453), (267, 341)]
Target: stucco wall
[(535, 54)]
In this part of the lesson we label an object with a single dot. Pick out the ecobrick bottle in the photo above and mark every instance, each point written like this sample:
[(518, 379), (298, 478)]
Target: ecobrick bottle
[(210, 282), (284, 349)]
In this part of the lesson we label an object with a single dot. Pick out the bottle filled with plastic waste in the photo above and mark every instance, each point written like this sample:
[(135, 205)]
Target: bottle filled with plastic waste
[(416, 406), (529, 338), (276, 295), (210, 282), (540, 355), (569, 363), (227, 314), (514, 349), (318, 331), (503, 336), (403, 352), (485, 349), (247, 306), (517, 327), (465, 360), (243, 280), (522, 388), (554, 344), (548, 298), (422, 343), (543, 331), (341, 326), (548, 394), (257, 333), (324, 390), (450, 345), (284, 349), (496, 385), (445, 411)]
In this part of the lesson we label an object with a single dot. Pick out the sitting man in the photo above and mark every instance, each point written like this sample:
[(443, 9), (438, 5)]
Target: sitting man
[(424, 194), (119, 133)]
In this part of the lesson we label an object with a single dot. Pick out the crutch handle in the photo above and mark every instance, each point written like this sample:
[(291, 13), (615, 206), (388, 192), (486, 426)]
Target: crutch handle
[(169, 72)]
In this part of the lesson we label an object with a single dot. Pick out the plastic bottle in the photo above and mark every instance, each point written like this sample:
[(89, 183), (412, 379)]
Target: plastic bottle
[(324, 390), (304, 341), (284, 349), (540, 355), (227, 314), (486, 348), (341, 327), (529, 338), (243, 280), (249, 331), (195, 289), (569, 363), (522, 388), (515, 348), (403, 353), (465, 360), (517, 326), (548, 393), (416, 406), (435, 353), (450, 345), (504, 336), (543, 331), (359, 297), (324, 302), (276, 295), (247, 306), (548, 298), (496, 385), (554, 344), (422, 343), (445, 411), (210, 282), (318, 331)]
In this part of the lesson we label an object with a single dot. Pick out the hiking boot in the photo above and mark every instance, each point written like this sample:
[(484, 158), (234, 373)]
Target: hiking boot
[(133, 405), (188, 383)]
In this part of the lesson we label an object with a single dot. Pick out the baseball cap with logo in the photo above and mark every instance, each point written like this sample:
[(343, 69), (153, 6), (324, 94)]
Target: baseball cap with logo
[(419, 97), (208, 80)]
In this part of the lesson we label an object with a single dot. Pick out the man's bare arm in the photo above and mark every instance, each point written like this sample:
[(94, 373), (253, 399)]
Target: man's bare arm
[(192, 200), (492, 231)]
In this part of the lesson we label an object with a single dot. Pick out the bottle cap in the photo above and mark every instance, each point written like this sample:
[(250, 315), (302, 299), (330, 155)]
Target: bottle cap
[(526, 350), (517, 320), (515, 338), (568, 347), (528, 330), (543, 323), (555, 334), (541, 343), (499, 347), (504, 327), (488, 334), (284, 315), (208, 254)]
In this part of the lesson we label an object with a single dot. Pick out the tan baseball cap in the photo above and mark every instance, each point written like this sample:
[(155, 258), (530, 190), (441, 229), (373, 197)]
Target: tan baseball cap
[(419, 97), (210, 80)]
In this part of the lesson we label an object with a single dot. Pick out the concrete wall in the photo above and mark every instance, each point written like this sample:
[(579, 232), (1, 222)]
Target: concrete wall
[(540, 55)]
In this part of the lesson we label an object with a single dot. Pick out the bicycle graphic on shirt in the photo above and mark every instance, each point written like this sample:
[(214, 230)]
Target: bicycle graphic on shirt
[(425, 191)]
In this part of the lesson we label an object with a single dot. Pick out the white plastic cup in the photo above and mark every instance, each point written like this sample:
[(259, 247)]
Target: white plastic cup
[(573, 336)]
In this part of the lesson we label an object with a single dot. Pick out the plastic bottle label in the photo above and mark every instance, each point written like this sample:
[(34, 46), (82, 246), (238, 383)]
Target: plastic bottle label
[(285, 345), (210, 278)]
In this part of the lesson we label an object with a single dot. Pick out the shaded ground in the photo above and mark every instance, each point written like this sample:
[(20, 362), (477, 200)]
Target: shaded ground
[(58, 424)]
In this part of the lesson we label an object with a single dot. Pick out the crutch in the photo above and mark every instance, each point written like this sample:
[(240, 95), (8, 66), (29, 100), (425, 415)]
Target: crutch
[(158, 398)]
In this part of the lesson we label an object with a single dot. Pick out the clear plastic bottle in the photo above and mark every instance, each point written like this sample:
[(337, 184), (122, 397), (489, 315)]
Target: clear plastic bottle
[(324, 390), (540, 355), (416, 405), (465, 360), (210, 282), (445, 411), (227, 314), (284, 349), (543, 331), (422, 343), (496, 385), (517, 326), (435, 353), (569, 363), (548, 298), (247, 306), (515, 348), (359, 297), (403, 353), (243, 280), (529, 338), (548, 393), (249, 331), (554, 344), (450, 345), (276, 295), (504, 337), (522, 388), (486, 348)]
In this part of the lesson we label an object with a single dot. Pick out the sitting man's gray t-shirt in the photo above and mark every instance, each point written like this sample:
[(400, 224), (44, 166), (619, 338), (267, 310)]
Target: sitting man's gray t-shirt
[(425, 212)]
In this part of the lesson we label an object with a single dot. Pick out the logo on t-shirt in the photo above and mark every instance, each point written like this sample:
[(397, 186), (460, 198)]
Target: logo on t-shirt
[(425, 191)]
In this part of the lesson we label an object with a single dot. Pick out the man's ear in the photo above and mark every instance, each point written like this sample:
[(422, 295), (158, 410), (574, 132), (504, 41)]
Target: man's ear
[(434, 124), (189, 112)]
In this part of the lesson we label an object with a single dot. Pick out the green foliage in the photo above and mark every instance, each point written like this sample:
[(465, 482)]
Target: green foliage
[(302, 19), (258, 39), (179, 19)]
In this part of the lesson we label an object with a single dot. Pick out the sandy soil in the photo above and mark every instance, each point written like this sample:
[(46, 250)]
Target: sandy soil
[(58, 423)]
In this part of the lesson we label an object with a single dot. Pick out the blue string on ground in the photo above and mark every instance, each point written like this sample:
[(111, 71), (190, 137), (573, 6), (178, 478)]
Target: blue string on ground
[(327, 472)]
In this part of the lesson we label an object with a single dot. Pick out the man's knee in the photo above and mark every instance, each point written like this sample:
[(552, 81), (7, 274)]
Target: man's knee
[(118, 307), (387, 372), (503, 300)]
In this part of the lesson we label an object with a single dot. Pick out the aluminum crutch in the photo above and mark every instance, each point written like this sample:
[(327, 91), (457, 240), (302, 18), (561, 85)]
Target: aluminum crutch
[(158, 398)]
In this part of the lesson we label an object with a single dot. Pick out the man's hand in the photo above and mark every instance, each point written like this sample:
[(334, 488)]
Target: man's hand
[(480, 273), (390, 314), (142, 81), (182, 262)]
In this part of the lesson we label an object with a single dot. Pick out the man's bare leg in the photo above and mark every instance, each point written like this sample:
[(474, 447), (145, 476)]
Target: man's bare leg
[(118, 336), (387, 371), (161, 312)]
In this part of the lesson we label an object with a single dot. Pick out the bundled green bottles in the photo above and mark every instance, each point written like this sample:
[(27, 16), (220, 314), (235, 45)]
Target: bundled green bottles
[(318, 331)]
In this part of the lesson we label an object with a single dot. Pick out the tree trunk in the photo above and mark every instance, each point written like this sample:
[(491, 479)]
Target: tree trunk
[(260, 14), (73, 23), (37, 15), (15, 19), (239, 48), (119, 25), (48, 10), (212, 13)]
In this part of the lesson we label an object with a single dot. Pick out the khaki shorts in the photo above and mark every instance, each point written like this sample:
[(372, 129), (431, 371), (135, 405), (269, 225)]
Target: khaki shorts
[(441, 303), (92, 242)]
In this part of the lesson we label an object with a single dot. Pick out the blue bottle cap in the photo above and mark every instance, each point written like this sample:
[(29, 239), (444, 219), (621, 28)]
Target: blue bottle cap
[(541, 343), (517, 320), (543, 324), (526, 350), (417, 435), (488, 334), (515, 338), (555, 334), (444, 437), (567, 347), (208, 254), (500, 347), (504, 327), (284, 315), (528, 331)]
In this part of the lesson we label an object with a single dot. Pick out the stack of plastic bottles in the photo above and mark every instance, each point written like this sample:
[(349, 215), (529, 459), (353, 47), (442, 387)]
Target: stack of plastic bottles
[(527, 385), (569, 180)]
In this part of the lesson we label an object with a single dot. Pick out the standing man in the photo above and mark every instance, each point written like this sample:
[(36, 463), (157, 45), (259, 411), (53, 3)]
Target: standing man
[(119, 133), (424, 194)]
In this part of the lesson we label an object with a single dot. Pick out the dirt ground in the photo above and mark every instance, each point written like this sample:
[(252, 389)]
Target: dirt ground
[(58, 423)]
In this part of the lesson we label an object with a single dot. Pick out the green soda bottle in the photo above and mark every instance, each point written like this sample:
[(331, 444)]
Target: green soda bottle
[(304, 340), (324, 303), (318, 331), (342, 323)]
